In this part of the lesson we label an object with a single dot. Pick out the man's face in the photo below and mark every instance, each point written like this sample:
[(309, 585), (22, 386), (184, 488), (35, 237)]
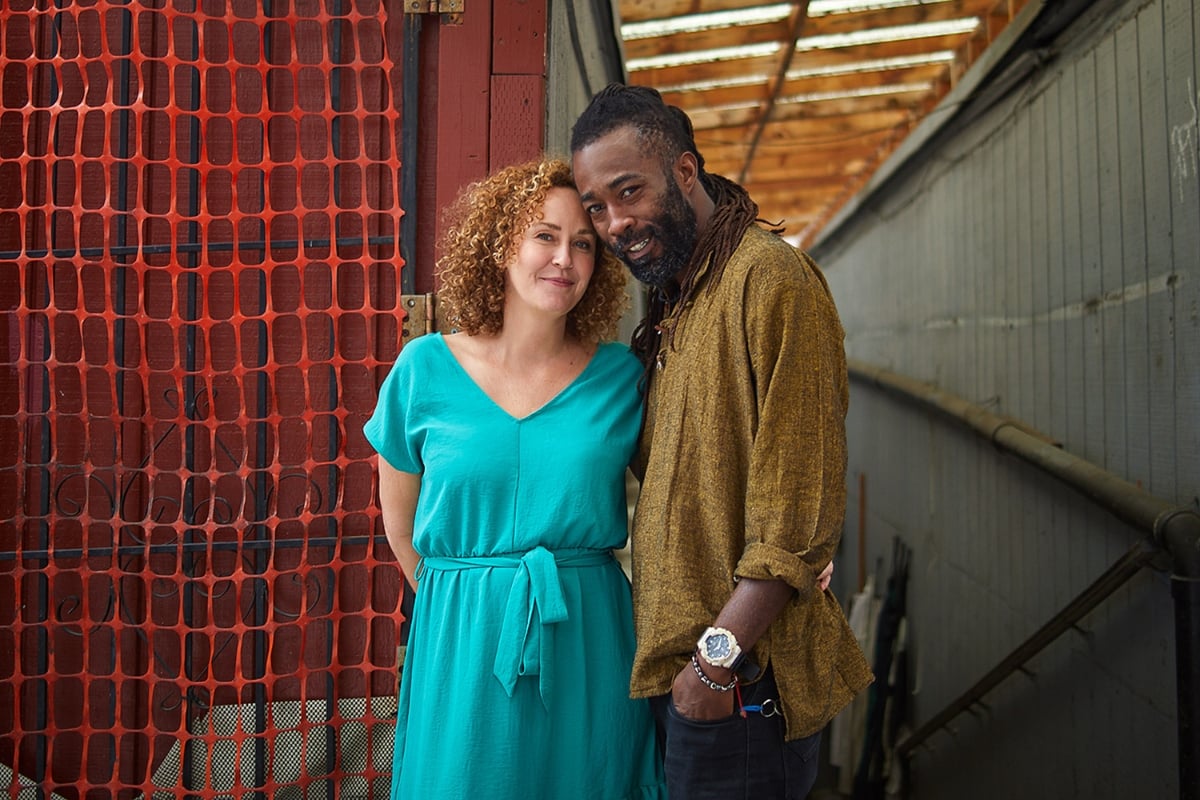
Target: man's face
[(637, 206)]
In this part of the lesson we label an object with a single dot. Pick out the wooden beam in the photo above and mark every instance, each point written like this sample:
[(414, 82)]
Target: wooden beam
[(795, 28)]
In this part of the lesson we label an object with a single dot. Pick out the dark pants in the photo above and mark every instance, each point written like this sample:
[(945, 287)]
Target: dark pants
[(735, 758)]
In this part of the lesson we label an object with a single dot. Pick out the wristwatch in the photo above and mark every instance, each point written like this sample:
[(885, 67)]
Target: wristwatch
[(719, 647)]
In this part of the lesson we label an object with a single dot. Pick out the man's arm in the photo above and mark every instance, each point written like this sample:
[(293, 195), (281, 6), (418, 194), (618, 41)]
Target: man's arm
[(797, 458), (751, 609)]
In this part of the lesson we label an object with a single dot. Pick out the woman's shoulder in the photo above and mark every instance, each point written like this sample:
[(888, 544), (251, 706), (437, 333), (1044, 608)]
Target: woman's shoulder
[(417, 360), (616, 352), (616, 360), (421, 350)]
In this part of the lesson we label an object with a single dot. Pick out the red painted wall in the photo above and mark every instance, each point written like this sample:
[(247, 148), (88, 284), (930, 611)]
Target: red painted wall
[(482, 105)]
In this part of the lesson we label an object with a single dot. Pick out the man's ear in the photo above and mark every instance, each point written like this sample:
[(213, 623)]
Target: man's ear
[(687, 172)]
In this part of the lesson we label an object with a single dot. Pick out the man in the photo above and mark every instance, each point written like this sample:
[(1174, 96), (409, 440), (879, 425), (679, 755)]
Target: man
[(743, 455)]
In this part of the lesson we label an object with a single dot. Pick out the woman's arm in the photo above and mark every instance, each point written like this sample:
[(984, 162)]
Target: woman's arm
[(398, 500)]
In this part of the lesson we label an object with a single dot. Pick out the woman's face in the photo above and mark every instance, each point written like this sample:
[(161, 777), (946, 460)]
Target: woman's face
[(554, 259)]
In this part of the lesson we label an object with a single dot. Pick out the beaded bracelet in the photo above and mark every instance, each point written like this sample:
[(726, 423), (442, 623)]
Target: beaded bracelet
[(709, 682)]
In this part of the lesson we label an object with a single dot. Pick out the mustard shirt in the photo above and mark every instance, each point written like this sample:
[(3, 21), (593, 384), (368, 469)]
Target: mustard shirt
[(744, 459)]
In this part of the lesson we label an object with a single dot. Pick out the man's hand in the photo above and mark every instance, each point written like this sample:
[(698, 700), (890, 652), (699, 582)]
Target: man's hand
[(696, 701)]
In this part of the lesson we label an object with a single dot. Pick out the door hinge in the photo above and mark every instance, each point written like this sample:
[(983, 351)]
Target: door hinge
[(452, 9), (420, 315)]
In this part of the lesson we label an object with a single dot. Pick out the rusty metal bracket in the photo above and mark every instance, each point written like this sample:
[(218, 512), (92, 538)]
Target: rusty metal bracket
[(420, 315), (452, 10)]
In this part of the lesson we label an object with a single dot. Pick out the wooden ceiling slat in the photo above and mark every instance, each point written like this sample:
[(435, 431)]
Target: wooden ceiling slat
[(904, 102), (775, 162), (812, 195), (827, 130), (812, 130), (844, 169), (705, 122)]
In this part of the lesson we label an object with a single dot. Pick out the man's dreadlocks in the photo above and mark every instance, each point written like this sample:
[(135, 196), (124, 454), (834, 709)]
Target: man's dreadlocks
[(669, 132)]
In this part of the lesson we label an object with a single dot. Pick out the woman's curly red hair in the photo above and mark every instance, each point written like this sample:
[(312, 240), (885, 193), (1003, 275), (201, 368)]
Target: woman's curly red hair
[(483, 227)]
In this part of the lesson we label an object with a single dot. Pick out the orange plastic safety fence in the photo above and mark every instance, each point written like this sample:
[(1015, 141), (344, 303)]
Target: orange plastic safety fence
[(198, 275)]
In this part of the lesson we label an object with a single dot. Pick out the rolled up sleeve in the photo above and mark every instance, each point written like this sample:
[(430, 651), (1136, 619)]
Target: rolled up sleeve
[(795, 492)]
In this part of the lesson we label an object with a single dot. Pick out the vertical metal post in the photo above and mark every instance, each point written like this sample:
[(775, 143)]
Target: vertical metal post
[(410, 104), (1178, 531), (1185, 590)]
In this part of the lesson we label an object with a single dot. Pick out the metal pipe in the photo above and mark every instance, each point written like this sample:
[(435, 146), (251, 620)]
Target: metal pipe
[(1175, 529)]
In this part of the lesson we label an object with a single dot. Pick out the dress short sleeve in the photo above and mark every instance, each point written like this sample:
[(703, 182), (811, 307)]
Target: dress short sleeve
[(394, 429)]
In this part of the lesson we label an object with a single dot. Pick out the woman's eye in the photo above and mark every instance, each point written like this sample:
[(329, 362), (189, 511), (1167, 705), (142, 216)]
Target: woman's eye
[(584, 245)]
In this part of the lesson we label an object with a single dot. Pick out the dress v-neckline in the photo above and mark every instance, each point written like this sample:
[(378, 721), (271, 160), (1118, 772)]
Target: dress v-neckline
[(492, 401)]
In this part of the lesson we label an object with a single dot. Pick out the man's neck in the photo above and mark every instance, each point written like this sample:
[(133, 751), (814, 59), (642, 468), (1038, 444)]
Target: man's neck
[(702, 203)]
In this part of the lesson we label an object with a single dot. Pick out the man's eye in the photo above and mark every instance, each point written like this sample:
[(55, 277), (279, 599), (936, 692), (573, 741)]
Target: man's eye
[(595, 210)]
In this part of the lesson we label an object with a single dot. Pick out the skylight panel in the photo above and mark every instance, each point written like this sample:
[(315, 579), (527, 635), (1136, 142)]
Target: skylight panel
[(757, 15), (873, 65), (854, 94), (704, 56), (717, 83), (691, 23), (893, 34), (820, 8)]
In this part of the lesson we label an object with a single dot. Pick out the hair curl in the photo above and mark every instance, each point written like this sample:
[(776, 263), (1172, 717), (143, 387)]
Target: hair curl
[(483, 228)]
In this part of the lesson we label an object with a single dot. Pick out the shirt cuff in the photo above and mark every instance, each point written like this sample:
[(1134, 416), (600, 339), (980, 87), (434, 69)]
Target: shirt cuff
[(766, 562)]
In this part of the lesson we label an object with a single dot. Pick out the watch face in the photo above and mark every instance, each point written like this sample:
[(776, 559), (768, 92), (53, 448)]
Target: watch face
[(716, 647)]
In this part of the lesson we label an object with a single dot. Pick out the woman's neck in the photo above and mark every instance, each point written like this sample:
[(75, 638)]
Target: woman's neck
[(523, 341)]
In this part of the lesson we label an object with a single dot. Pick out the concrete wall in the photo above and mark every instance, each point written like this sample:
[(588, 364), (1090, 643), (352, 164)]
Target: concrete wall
[(1042, 261)]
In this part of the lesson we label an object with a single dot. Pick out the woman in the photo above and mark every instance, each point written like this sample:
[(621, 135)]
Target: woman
[(503, 450)]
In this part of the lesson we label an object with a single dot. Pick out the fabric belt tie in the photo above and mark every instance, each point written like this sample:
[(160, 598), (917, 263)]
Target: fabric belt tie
[(535, 603)]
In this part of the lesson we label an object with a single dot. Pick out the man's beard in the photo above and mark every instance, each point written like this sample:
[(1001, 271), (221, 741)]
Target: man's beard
[(675, 230)]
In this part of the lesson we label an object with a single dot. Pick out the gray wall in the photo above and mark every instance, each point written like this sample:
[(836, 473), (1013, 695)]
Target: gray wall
[(585, 56), (1043, 261)]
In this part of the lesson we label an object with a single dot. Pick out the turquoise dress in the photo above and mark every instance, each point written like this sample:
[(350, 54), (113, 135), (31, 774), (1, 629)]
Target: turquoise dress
[(516, 678)]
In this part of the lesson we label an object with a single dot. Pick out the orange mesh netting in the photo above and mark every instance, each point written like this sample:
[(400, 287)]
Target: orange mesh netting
[(199, 275)]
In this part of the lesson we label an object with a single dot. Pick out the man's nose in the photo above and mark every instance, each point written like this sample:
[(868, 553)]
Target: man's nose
[(617, 225)]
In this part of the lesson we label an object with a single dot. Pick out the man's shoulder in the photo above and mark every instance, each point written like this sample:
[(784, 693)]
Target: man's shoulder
[(763, 255)]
